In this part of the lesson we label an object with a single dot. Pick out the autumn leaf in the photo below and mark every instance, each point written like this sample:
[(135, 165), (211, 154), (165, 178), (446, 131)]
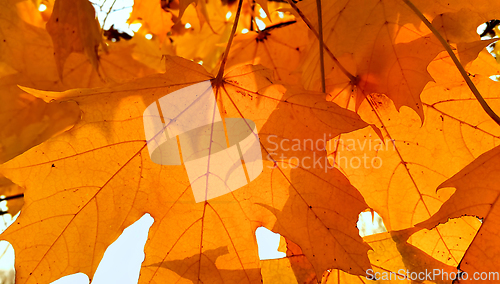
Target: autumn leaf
[(391, 258), (458, 23), (401, 172), (206, 223), (476, 195), (32, 127), (391, 48), (409, 162), (74, 28), (271, 49), (27, 120)]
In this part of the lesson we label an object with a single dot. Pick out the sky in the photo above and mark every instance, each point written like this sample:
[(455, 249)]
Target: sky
[(122, 260)]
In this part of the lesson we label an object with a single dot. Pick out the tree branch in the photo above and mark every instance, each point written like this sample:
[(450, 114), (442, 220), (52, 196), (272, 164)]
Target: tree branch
[(220, 74), (321, 58)]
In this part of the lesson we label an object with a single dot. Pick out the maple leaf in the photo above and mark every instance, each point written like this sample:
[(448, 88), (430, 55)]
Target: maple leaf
[(390, 46), (165, 193), (390, 256), (74, 28), (27, 120), (476, 195), (271, 49), (410, 158), (403, 170)]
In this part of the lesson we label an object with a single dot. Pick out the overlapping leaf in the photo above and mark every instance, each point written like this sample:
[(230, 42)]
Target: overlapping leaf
[(272, 48), (389, 45), (393, 260), (26, 120), (391, 48), (476, 195), (398, 176), (401, 173), (74, 28)]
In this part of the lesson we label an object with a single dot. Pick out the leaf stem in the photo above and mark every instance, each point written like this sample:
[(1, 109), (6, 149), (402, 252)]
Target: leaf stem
[(252, 16), (351, 77), (459, 66), (12, 197), (107, 14), (220, 74), (321, 43)]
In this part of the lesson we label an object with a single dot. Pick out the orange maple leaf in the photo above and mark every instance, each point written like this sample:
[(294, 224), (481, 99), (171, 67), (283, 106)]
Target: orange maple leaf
[(127, 184)]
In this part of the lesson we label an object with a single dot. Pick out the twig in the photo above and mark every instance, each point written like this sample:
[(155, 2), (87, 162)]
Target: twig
[(321, 59), (220, 74), (252, 16), (351, 77), (107, 14), (21, 195)]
